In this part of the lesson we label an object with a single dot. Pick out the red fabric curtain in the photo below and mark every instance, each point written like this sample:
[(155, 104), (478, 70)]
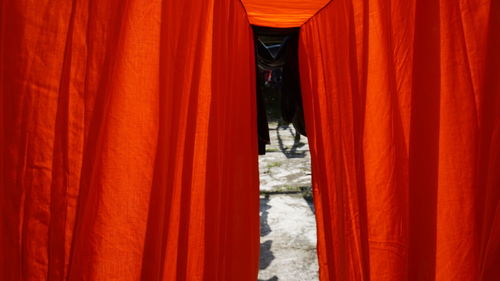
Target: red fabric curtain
[(282, 13), (128, 146), (402, 103), (128, 139)]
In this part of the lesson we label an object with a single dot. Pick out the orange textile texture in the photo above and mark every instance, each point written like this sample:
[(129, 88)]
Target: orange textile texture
[(282, 13), (127, 141), (402, 104), (128, 138)]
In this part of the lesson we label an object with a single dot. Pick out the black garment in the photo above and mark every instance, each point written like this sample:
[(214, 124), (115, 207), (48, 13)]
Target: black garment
[(291, 95), (262, 125), (282, 55)]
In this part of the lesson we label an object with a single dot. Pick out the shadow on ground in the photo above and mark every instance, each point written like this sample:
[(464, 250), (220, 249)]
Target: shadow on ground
[(274, 278), (292, 152), (266, 255)]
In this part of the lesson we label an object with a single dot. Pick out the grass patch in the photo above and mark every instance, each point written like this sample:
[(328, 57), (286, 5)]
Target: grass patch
[(274, 164), (286, 189)]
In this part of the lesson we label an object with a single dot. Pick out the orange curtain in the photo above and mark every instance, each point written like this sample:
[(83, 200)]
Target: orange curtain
[(402, 104), (128, 141), (282, 13)]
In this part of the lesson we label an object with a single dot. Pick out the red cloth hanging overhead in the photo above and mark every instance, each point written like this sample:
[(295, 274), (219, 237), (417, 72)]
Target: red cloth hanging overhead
[(282, 13)]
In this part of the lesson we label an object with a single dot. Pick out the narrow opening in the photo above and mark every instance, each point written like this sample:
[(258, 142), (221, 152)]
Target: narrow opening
[(288, 224)]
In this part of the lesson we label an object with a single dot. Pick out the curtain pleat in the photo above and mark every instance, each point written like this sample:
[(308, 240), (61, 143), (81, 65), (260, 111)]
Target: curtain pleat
[(403, 118), (128, 141)]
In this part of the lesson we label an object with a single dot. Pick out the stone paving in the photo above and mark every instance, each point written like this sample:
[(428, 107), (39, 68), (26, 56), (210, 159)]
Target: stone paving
[(288, 226), (287, 163)]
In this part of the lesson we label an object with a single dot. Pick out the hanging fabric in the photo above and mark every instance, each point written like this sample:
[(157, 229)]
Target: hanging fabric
[(128, 143), (403, 119)]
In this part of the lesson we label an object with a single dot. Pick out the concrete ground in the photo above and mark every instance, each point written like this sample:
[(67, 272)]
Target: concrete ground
[(288, 225)]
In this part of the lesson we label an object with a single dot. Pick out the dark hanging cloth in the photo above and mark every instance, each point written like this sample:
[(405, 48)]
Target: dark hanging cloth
[(280, 56), (262, 125), (291, 97)]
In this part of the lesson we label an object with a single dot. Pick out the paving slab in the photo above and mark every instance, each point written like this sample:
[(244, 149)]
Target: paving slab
[(288, 225), (287, 163), (288, 239)]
